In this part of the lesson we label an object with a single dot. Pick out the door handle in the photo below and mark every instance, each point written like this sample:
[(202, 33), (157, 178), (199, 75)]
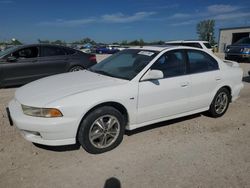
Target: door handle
[(184, 84)]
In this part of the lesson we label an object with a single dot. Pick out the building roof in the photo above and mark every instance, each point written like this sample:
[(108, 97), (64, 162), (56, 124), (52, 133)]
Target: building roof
[(231, 28)]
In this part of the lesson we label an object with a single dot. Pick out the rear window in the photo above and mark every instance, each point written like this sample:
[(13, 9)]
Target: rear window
[(207, 45), (192, 44), (174, 44), (52, 51), (70, 51)]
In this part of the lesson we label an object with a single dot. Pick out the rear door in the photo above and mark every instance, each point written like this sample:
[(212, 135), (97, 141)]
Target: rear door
[(23, 69), (205, 76), (54, 59)]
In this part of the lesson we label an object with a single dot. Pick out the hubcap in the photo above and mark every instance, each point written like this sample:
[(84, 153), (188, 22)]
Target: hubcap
[(104, 131), (74, 69), (221, 103)]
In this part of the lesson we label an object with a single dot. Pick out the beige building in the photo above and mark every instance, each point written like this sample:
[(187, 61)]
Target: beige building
[(229, 36)]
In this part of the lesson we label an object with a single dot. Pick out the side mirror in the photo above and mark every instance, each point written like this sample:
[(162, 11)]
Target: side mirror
[(152, 75), (11, 59)]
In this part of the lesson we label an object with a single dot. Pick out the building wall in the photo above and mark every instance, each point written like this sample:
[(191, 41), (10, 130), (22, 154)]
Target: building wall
[(226, 36)]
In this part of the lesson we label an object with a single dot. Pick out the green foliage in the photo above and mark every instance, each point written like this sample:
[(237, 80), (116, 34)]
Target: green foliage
[(205, 30), (85, 41)]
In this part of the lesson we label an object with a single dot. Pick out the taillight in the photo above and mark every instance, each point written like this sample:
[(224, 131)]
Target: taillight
[(92, 58)]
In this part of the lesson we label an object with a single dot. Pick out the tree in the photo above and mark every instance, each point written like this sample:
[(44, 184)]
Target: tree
[(86, 40), (58, 42), (205, 30), (43, 41), (15, 42)]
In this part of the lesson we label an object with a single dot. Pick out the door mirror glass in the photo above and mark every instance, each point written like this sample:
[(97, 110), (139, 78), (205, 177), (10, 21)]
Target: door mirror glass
[(11, 59), (152, 75)]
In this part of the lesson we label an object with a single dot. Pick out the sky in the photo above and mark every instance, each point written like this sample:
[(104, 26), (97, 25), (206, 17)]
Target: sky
[(116, 20)]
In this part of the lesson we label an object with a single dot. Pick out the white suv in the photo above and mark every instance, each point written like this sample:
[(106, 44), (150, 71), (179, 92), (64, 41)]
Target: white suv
[(192, 43)]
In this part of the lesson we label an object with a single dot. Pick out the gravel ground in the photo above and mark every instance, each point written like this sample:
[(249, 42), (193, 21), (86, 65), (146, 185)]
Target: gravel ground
[(195, 151)]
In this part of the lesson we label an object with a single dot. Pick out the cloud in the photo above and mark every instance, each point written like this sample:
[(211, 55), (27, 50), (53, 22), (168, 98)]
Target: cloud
[(220, 8), (107, 18), (121, 18), (188, 22), (68, 23), (179, 15), (231, 16)]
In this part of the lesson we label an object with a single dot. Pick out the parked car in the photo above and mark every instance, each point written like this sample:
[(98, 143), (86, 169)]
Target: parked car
[(239, 51), (85, 50), (106, 50), (131, 89), (205, 45), (23, 64)]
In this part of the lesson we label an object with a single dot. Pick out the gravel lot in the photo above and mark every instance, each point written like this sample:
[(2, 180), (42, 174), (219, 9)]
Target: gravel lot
[(195, 151)]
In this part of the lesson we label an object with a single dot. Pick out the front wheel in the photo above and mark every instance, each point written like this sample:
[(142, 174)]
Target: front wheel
[(220, 103), (102, 130), (76, 68)]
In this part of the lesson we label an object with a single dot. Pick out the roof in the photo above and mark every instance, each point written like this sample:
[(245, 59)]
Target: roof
[(231, 28), (183, 41), (154, 48)]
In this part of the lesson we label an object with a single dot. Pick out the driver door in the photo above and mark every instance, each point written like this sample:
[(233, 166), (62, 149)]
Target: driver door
[(22, 67), (168, 96)]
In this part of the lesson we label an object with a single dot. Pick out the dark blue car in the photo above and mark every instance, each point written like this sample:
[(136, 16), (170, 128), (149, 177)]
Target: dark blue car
[(106, 50), (239, 51)]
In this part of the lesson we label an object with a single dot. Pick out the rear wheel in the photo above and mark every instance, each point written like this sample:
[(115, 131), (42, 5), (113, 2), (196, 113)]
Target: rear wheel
[(102, 130), (220, 103), (76, 68)]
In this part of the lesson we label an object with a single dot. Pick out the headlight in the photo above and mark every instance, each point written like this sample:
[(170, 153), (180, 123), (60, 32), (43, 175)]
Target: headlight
[(246, 50), (41, 112)]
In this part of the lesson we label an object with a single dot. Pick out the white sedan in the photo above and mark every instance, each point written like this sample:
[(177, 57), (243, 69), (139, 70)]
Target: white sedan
[(133, 88)]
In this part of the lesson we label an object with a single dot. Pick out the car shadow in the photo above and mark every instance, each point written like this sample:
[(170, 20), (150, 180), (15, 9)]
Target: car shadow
[(112, 183), (161, 124), (72, 147)]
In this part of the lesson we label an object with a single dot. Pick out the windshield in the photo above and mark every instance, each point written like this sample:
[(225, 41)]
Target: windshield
[(125, 64), (7, 50), (245, 40)]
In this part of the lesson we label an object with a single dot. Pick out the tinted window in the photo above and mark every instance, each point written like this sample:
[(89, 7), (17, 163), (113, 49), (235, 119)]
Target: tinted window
[(52, 51), (171, 64), (69, 51), (174, 44), (30, 52), (207, 45), (192, 44), (201, 62)]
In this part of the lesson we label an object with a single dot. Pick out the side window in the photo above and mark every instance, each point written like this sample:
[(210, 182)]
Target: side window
[(171, 64), (193, 44), (30, 52), (70, 51), (201, 62), (52, 51)]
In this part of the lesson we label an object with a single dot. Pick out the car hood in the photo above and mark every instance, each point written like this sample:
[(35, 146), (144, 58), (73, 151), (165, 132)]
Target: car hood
[(239, 45), (46, 90)]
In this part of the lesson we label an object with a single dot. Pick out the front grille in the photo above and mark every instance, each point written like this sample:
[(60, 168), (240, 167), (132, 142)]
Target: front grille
[(234, 50)]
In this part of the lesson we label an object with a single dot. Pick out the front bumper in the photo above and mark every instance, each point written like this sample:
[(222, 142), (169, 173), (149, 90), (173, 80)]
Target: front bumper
[(236, 56), (46, 131)]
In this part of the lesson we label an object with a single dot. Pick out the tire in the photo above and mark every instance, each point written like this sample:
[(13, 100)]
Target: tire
[(76, 68), (218, 108), (94, 133)]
